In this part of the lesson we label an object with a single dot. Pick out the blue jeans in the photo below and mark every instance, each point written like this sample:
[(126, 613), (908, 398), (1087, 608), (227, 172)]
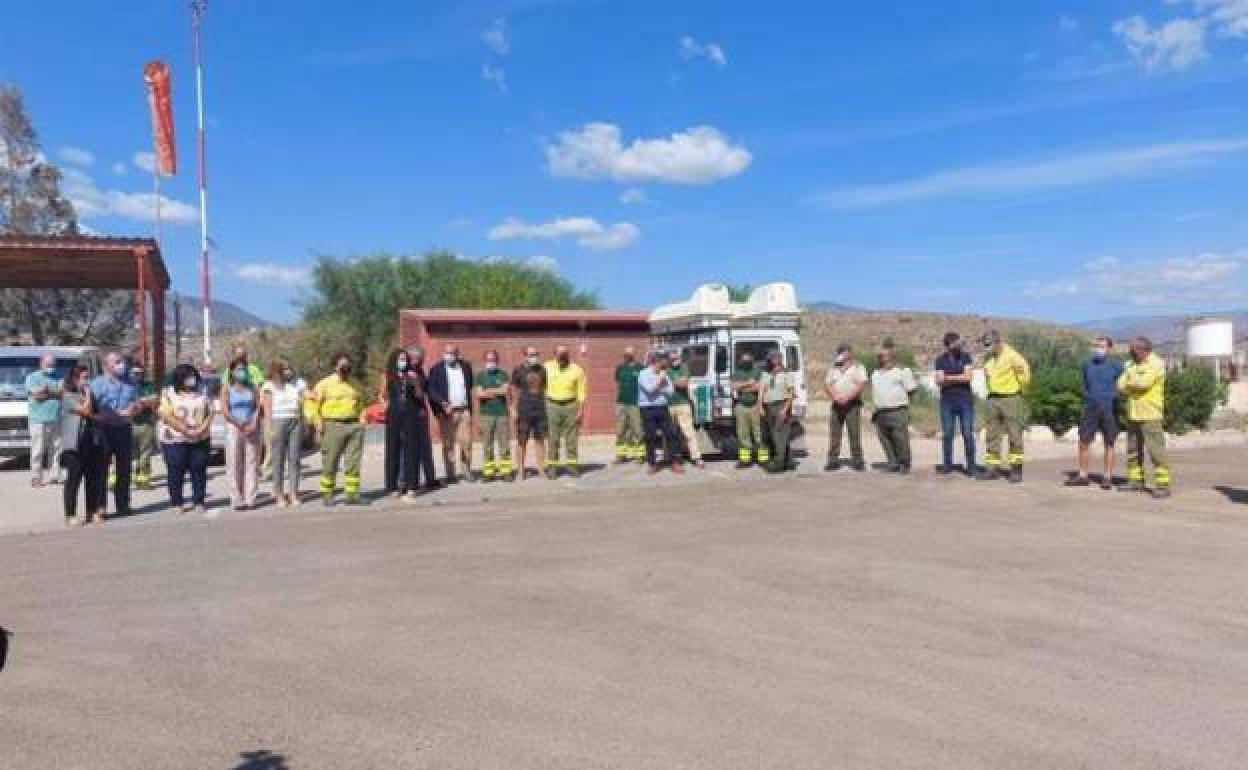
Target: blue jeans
[(964, 413), (181, 459)]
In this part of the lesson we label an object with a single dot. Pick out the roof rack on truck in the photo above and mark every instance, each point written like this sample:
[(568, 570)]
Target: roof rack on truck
[(770, 306)]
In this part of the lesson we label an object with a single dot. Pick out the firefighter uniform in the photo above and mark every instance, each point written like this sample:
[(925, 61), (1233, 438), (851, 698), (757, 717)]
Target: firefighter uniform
[(343, 437), (565, 394), (495, 426), (629, 443), (143, 430), (749, 419), (1144, 385), (680, 406), (1006, 373), (776, 392)]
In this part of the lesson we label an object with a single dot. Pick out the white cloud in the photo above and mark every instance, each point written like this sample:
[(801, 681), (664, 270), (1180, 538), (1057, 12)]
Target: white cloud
[(76, 156), (119, 168), (496, 38), (633, 195), (691, 48), (1229, 17), (1206, 278), (494, 75), (543, 262), (1078, 169), (145, 161), (91, 201), (698, 155), (1175, 45), (273, 274), (587, 232)]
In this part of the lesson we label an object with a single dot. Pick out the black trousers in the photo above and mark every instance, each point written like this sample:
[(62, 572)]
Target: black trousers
[(181, 459), (409, 450), (81, 470), (657, 426), (119, 448)]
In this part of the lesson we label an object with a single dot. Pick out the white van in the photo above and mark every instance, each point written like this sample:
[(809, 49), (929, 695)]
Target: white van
[(15, 364), (713, 333)]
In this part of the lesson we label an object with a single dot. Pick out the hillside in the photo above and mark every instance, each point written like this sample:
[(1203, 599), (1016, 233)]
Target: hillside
[(917, 332), (1163, 330), (226, 316)]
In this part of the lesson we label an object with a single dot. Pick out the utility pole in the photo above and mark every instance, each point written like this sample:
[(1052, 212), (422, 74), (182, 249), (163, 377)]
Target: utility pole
[(205, 273)]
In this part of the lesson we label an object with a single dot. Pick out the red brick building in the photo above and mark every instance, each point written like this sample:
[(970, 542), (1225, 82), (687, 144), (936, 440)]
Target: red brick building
[(595, 337)]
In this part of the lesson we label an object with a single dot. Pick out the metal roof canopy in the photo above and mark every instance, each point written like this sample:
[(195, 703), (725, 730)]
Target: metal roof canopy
[(93, 262)]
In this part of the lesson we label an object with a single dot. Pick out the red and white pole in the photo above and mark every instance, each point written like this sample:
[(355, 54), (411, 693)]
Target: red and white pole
[(205, 271)]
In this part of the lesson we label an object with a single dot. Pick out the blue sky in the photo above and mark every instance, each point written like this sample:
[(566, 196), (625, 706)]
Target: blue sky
[(1063, 161)]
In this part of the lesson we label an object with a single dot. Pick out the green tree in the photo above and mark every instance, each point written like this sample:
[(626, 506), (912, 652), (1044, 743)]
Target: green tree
[(31, 203), (1192, 394), (361, 298)]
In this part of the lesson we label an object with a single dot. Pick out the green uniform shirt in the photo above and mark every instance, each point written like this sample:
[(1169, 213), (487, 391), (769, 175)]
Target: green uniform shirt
[(626, 383), (679, 395), (488, 380), (148, 416), (776, 386), (739, 375)]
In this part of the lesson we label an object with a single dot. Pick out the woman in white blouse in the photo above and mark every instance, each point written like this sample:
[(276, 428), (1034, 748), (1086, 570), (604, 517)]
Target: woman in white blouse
[(282, 395)]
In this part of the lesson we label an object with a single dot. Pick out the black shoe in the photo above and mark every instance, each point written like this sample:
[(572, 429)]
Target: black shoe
[(943, 470), (832, 465), (891, 469), (1016, 474), (1107, 485), (858, 465), (1078, 481)]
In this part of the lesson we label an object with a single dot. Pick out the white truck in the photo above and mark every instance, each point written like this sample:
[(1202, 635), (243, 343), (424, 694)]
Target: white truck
[(15, 364), (713, 333)]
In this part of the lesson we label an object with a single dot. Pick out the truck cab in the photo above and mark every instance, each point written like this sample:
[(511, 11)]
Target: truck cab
[(712, 333), (16, 362)]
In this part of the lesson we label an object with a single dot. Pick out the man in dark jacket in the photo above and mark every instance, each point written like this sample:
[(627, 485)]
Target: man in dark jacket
[(450, 397)]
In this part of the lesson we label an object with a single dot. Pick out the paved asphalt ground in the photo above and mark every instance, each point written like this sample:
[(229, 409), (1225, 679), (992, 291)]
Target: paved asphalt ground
[(853, 620)]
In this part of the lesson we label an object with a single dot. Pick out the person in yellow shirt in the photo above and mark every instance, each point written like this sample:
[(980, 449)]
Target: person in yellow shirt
[(1143, 382), (565, 411), (1006, 373), (339, 425)]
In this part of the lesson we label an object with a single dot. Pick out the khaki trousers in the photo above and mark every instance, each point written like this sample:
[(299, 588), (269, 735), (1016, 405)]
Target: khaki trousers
[(242, 465), (456, 430), (682, 415), (564, 433)]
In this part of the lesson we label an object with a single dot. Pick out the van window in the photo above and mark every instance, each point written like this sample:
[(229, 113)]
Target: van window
[(696, 358), (794, 361), (721, 359), (757, 348), (14, 369)]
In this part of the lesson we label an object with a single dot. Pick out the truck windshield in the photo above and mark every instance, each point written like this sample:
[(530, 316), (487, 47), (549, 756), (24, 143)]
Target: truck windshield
[(697, 358), (757, 348), (14, 369)]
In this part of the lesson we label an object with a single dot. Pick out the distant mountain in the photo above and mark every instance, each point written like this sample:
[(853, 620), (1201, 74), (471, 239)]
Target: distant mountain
[(830, 307), (1161, 329), (226, 316)]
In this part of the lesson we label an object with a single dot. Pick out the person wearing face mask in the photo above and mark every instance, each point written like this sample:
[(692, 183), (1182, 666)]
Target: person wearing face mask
[(282, 400), (844, 384), (777, 391), (952, 373), (450, 395), (493, 395), (116, 400), (566, 390), (399, 402), (1143, 382), (43, 419), (143, 427), (185, 427), (654, 389), (628, 433), (78, 449), (340, 427), (1006, 373), (680, 404), (748, 413), (241, 408), (528, 409), (1099, 376)]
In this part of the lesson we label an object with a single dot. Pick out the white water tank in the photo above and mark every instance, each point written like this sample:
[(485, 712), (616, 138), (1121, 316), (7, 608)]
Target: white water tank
[(1210, 338)]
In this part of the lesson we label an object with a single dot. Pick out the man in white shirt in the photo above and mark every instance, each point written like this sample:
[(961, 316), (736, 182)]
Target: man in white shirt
[(450, 382), (891, 387), (844, 385)]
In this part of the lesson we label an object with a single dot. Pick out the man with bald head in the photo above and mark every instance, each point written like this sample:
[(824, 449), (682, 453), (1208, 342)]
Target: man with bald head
[(116, 399), (628, 438), (43, 418), (565, 410)]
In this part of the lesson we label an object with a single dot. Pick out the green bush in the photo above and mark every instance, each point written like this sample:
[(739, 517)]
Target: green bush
[(1191, 396), (1055, 398)]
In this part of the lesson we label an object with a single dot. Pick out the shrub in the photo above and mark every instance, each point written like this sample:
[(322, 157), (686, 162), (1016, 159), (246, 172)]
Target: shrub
[(1055, 398), (1191, 396)]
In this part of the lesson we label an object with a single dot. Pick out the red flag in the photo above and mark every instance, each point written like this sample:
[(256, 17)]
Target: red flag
[(160, 99)]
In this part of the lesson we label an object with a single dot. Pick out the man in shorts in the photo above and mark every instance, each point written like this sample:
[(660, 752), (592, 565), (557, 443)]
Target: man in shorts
[(528, 384), (1100, 375)]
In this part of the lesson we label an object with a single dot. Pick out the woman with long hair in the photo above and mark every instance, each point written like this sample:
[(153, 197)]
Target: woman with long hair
[(241, 408), (282, 401), (185, 442), (80, 457), (402, 393)]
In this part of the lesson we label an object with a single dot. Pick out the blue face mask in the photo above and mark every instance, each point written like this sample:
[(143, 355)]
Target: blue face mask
[(240, 375), (1098, 355), (49, 370)]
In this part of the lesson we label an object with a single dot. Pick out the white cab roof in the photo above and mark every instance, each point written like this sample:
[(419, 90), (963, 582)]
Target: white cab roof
[(711, 305)]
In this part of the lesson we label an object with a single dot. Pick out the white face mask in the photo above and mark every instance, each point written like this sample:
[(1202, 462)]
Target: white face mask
[(450, 358), (491, 365), (534, 360), (119, 368), (189, 383)]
